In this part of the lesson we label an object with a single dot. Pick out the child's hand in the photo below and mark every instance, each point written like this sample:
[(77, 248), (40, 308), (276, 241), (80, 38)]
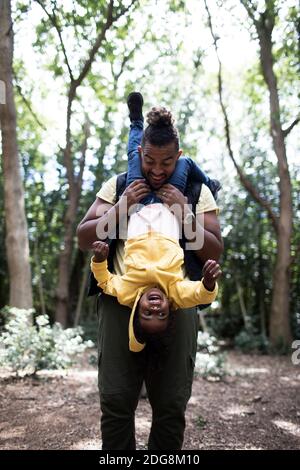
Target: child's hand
[(211, 271), (101, 250)]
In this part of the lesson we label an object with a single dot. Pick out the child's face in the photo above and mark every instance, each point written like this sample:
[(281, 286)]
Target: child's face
[(153, 311)]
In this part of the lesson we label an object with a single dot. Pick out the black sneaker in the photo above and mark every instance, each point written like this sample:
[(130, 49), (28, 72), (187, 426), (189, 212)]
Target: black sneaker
[(135, 105), (215, 186)]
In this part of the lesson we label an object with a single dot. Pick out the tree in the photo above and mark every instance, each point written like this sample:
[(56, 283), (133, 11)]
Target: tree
[(16, 241), (107, 15), (264, 22)]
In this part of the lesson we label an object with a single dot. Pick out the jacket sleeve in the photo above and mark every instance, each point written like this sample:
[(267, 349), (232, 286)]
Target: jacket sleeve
[(109, 283), (191, 293)]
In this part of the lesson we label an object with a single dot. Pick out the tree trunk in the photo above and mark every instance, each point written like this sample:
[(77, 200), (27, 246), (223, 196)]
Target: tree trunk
[(280, 329), (246, 318), (16, 242), (38, 272), (65, 258), (84, 279)]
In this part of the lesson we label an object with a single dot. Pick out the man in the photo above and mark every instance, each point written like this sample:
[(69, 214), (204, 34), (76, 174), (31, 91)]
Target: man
[(122, 372)]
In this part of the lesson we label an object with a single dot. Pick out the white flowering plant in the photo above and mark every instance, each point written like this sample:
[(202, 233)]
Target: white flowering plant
[(209, 361), (26, 347)]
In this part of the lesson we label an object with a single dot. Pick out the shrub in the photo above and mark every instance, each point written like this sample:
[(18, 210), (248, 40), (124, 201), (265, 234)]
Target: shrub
[(27, 348), (249, 341), (209, 361)]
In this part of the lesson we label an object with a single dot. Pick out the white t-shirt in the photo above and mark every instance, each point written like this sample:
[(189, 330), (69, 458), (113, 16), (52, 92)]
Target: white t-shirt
[(155, 218)]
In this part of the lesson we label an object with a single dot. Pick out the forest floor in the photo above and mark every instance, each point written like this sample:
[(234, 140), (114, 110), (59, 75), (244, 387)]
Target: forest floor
[(257, 406)]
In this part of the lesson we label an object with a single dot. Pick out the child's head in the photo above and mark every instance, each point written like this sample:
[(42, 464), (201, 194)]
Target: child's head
[(160, 130), (153, 311)]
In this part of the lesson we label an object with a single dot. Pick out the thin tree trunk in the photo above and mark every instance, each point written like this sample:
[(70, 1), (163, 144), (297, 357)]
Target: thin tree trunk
[(245, 316), (38, 270), (280, 329), (64, 268), (261, 286), (202, 320), (16, 242), (82, 290)]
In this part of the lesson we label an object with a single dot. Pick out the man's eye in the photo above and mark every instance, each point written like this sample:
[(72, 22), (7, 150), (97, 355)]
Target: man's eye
[(147, 313)]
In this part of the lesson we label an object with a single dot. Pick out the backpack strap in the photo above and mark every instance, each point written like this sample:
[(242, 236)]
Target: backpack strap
[(121, 185)]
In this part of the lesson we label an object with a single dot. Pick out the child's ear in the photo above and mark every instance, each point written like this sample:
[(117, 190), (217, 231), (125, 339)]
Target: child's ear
[(140, 150), (180, 152)]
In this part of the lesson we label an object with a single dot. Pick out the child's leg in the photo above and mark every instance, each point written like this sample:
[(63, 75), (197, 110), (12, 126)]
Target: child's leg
[(184, 168), (134, 171), (135, 137)]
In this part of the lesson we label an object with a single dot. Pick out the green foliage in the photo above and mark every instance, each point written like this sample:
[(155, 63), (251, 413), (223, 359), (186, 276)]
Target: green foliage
[(27, 348), (201, 422), (209, 361), (249, 342)]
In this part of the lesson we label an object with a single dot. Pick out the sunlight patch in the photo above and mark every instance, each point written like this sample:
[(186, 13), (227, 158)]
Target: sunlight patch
[(289, 427), (87, 444), (252, 370), (142, 424), (237, 410)]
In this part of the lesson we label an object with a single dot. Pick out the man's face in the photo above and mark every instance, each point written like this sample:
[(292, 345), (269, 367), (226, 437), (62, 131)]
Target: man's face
[(153, 311), (158, 163)]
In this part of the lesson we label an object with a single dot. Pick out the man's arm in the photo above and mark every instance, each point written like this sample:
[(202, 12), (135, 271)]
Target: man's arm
[(100, 210), (204, 227), (101, 215), (212, 239)]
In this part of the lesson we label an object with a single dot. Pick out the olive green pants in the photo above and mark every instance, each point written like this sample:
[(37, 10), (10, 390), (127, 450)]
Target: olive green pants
[(122, 372)]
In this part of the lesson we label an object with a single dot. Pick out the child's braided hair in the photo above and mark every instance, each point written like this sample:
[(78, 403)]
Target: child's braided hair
[(160, 130)]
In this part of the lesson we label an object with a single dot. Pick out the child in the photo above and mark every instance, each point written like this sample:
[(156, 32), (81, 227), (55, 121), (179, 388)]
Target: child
[(153, 282)]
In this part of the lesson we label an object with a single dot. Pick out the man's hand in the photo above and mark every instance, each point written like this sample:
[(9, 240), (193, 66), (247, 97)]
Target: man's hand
[(101, 250), (171, 195), (136, 191), (211, 271)]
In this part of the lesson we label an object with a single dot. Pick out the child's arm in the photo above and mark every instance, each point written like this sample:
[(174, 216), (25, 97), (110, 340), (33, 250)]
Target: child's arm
[(109, 283), (191, 293)]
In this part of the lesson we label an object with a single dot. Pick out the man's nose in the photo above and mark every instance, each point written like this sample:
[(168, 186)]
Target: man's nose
[(157, 169)]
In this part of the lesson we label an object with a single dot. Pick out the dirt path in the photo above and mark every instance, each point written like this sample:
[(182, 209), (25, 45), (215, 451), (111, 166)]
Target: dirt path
[(257, 408)]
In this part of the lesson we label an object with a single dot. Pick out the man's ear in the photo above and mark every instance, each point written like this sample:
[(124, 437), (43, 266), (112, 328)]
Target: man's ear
[(180, 152)]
